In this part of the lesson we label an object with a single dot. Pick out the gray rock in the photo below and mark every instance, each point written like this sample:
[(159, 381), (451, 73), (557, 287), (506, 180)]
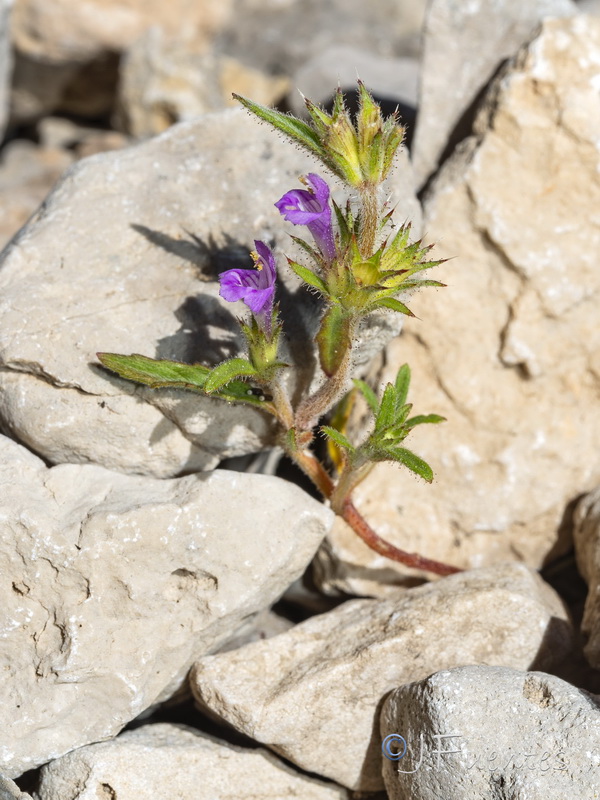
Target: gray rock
[(464, 44), (10, 791), (177, 762), (485, 731), (116, 584), (312, 694), (509, 352), (586, 532), (123, 257)]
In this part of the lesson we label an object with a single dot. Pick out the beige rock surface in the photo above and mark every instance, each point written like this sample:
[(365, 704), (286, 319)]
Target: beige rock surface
[(172, 761), (509, 352), (10, 791), (123, 257), (463, 46), (587, 548), (114, 585), (488, 731), (312, 694), (166, 79)]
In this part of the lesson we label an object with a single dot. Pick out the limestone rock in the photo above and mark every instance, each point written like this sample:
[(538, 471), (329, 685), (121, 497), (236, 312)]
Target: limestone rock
[(464, 44), (5, 61), (10, 791), (116, 584), (168, 79), (312, 694), (123, 257), (27, 173), (587, 548), (174, 761), (488, 731), (509, 351)]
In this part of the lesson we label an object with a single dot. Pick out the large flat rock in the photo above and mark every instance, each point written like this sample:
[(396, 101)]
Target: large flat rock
[(114, 585)]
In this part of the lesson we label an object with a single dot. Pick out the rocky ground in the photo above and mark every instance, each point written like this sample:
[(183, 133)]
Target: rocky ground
[(181, 618)]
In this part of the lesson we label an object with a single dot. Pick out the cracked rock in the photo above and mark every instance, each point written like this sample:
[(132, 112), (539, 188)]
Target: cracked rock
[(124, 257), (175, 761), (456, 67), (312, 694), (487, 731), (509, 352), (114, 585)]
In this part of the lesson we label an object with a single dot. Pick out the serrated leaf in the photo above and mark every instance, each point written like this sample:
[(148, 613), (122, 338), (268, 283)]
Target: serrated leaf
[(226, 372), (337, 437), (368, 394), (424, 419), (412, 461), (402, 384), (308, 276), (293, 128), (156, 373), (334, 339), (394, 305)]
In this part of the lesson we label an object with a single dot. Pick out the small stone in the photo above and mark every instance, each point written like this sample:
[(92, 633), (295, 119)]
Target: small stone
[(175, 761), (456, 66), (312, 694), (489, 731), (116, 584)]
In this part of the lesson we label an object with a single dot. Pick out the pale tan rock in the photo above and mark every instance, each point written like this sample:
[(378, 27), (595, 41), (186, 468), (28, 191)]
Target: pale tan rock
[(67, 31), (114, 585), (10, 791), (312, 694), (586, 533), (123, 257), (175, 761), (508, 353), (488, 731), (463, 46), (27, 173), (168, 78)]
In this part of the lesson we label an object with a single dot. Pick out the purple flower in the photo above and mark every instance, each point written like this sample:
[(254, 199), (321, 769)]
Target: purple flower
[(256, 287), (310, 207)]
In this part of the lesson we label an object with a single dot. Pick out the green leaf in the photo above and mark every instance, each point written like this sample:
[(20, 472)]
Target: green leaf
[(226, 372), (406, 285), (395, 305), (308, 276), (387, 408), (314, 254), (334, 339), (157, 373), (368, 394), (413, 462), (424, 419), (402, 384), (290, 126), (337, 437)]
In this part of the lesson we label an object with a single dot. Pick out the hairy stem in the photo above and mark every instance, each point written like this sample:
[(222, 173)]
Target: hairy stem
[(369, 220), (281, 402), (313, 468)]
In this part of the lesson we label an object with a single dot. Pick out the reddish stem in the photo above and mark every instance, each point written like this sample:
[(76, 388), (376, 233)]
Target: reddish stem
[(315, 471)]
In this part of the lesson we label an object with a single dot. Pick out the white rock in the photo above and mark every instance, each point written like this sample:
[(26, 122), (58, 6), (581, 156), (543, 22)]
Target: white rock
[(116, 584), (464, 44), (10, 791), (123, 257), (509, 352), (312, 694), (586, 532), (173, 761), (486, 731)]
